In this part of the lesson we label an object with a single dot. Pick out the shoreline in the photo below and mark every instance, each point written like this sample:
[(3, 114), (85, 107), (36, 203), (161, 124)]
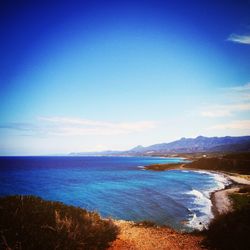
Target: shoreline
[(221, 202), (134, 235)]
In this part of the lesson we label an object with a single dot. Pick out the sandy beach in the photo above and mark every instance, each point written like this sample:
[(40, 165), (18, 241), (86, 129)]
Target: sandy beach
[(220, 199), (221, 202)]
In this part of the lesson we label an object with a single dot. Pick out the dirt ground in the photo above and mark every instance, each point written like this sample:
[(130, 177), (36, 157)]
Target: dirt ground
[(134, 237)]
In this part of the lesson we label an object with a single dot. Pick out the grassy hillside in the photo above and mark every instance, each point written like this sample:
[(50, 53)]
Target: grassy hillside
[(28, 222), (231, 231), (235, 163)]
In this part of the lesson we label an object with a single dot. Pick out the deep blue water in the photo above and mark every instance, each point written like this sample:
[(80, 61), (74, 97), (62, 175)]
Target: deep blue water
[(115, 186)]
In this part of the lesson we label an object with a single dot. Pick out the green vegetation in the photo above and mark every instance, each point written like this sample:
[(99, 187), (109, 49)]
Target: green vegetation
[(235, 163), (238, 156), (28, 222), (245, 190), (242, 199), (163, 167), (231, 231)]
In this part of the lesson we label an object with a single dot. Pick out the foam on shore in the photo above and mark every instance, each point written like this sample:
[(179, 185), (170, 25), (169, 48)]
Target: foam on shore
[(201, 213), (141, 167)]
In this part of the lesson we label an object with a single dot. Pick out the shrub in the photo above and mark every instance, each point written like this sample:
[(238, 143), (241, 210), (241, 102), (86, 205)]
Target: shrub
[(245, 189), (241, 200), (230, 231), (28, 222)]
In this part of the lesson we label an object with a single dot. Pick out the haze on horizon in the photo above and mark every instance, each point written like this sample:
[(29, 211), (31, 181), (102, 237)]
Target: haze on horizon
[(99, 75)]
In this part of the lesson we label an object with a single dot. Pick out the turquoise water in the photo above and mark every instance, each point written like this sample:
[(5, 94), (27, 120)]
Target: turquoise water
[(116, 187)]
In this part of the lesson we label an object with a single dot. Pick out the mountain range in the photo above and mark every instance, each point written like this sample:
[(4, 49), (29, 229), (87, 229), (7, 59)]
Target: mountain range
[(200, 144)]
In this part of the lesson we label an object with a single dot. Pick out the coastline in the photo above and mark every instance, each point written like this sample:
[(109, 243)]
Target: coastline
[(221, 202), (134, 236), (148, 236)]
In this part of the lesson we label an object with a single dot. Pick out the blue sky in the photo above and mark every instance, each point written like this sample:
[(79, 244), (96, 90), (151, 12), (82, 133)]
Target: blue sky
[(88, 75)]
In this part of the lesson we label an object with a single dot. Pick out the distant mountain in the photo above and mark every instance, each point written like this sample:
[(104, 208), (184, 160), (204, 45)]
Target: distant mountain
[(187, 145), (198, 144), (99, 153)]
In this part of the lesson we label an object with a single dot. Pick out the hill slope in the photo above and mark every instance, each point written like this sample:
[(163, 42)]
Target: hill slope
[(186, 145), (198, 144)]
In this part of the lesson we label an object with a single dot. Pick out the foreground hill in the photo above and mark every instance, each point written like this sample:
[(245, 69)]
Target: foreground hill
[(30, 223), (199, 144)]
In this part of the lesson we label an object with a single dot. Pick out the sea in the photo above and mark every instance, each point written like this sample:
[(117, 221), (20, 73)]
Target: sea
[(117, 187)]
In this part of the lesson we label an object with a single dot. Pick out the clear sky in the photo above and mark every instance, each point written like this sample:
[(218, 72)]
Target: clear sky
[(95, 75)]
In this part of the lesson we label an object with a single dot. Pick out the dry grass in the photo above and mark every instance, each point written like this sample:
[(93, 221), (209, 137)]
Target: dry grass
[(135, 236), (28, 222)]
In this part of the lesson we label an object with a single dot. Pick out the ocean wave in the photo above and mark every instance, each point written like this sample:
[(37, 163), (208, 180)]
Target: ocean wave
[(203, 207), (199, 222), (141, 167), (202, 201), (221, 180), (196, 193)]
